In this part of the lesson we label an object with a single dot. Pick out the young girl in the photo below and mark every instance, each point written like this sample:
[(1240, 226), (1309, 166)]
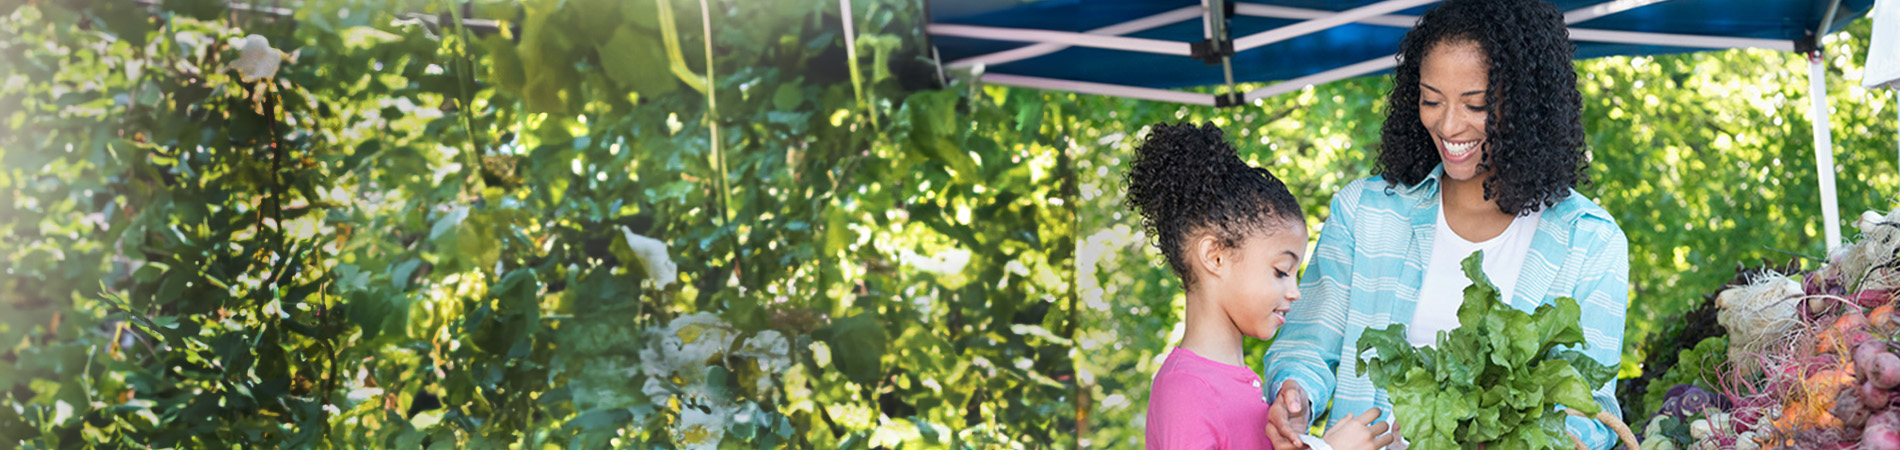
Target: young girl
[(1235, 236)]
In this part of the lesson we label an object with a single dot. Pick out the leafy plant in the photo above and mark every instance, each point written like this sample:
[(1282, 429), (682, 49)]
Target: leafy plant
[(578, 228), (1495, 379), (1697, 366)]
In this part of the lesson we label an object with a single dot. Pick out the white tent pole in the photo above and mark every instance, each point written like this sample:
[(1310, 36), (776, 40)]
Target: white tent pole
[(1142, 24), (1062, 37), (1824, 150), (1288, 12), (1084, 87), (1322, 24), (1823, 134), (1361, 68), (1604, 9), (1394, 20), (1677, 40)]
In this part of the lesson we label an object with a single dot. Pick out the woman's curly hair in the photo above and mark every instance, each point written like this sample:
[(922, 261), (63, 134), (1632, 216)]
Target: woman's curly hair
[(1187, 180), (1534, 143)]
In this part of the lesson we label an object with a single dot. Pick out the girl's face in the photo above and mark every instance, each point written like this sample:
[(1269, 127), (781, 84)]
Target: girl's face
[(1452, 83), (1261, 285)]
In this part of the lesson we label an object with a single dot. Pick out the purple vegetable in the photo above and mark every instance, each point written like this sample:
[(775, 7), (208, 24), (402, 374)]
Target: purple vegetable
[(1685, 400)]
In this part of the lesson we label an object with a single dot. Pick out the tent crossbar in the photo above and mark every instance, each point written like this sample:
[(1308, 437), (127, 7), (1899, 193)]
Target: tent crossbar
[(1062, 37), (1287, 12), (1605, 9), (1361, 68), (1316, 25), (1083, 87), (1143, 24), (1677, 40)]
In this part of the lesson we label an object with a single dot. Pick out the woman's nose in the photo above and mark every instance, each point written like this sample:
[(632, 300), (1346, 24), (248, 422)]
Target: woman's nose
[(1451, 122)]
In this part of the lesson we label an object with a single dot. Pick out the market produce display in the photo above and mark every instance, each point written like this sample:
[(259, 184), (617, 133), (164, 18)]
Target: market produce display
[(1801, 360)]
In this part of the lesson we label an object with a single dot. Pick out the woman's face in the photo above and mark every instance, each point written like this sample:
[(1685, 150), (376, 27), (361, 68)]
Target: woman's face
[(1452, 83)]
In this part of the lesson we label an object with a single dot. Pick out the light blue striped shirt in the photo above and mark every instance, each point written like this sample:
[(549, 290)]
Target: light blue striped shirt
[(1371, 259)]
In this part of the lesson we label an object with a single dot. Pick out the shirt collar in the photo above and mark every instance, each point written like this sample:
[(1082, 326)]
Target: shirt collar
[(1568, 210), (1426, 189)]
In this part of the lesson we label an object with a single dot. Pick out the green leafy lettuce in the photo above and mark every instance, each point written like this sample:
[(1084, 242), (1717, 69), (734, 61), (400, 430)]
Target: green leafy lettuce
[(1498, 378)]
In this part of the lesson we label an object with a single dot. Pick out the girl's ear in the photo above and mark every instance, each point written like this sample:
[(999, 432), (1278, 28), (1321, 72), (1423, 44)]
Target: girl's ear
[(1208, 257)]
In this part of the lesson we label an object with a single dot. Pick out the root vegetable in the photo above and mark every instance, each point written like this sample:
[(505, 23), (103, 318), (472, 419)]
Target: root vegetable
[(1886, 371), (1873, 298), (1889, 418), (1699, 429), (1849, 409), (1837, 341), (1882, 319), (1873, 397), (1817, 310), (1880, 437), (1851, 320), (1864, 354)]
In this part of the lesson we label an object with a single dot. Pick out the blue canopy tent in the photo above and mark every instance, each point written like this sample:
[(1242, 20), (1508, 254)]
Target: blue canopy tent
[(1148, 49)]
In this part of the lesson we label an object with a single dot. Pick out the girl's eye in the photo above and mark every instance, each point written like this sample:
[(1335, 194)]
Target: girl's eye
[(1279, 273), (1427, 103), (1478, 108)]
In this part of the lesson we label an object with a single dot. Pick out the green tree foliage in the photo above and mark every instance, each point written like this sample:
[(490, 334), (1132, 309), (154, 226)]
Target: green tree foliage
[(429, 236)]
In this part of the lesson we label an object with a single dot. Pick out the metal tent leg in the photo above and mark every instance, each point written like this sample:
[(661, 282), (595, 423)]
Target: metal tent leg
[(1824, 150)]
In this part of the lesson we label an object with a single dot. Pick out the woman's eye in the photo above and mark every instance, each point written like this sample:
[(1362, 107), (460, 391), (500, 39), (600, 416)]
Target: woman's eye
[(1427, 103), (1477, 108), (1279, 273)]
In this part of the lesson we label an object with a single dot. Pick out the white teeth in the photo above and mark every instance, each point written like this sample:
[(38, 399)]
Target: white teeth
[(1460, 149)]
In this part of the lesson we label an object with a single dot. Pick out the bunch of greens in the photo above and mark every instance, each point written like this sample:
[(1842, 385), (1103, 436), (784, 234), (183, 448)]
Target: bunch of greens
[(1697, 366), (1499, 378)]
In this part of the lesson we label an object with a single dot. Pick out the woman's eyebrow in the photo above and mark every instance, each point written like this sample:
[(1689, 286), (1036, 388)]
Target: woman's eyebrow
[(1427, 86)]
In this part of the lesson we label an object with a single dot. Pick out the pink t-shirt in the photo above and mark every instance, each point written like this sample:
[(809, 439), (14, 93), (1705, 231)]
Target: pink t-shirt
[(1199, 404)]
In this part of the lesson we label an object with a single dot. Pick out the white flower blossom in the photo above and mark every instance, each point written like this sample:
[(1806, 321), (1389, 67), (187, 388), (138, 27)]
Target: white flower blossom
[(698, 430), (771, 350), (687, 342), (257, 60), (656, 392), (652, 254)]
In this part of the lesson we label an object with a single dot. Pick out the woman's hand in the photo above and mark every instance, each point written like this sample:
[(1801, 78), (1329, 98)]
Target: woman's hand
[(1357, 432), (1287, 417)]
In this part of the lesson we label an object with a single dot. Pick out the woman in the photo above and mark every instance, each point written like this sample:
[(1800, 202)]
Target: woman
[(1483, 147)]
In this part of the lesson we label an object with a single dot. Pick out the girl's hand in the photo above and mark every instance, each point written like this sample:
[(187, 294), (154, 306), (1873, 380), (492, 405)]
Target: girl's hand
[(1286, 418), (1357, 432)]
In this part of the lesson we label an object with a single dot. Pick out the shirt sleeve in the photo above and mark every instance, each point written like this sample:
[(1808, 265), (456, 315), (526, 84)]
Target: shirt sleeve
[(1306, 349), (1603, 295)]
